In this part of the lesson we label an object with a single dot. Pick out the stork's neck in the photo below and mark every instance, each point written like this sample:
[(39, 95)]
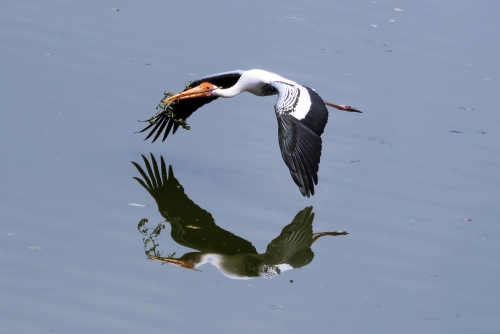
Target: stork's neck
[(228, 92), (250, 81)]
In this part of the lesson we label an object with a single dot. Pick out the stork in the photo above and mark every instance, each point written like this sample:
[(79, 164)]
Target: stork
[(300, 111)]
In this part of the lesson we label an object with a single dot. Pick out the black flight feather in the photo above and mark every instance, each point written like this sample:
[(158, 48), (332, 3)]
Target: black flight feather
[(185, 108)]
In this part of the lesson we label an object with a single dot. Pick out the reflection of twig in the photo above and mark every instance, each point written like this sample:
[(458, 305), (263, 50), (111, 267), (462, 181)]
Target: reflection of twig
[(142, 222), (151, 238)]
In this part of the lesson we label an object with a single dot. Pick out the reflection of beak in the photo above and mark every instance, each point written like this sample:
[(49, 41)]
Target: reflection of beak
[(184, 263), (203, 90)]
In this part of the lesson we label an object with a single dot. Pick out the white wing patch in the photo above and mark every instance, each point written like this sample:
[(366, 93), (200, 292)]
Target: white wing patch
[(293, 99), (303, 104)]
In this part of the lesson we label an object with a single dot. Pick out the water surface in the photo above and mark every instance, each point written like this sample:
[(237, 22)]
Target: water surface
[(414, 179)]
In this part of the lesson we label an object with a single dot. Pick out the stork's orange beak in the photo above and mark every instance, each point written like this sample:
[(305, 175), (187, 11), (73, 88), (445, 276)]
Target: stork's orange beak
[(204, 89)]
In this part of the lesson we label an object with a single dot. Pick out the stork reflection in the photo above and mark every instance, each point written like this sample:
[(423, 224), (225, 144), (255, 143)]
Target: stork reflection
[(195, 228)]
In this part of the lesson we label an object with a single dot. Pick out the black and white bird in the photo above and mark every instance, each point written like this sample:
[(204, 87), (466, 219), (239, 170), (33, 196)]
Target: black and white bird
[(301, 114)]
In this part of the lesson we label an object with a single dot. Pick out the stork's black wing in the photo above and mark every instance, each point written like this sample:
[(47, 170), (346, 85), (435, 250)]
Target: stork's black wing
[(299, 132), (184, 108)]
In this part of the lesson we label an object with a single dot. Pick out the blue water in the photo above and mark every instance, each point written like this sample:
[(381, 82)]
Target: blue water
[(414, 180)]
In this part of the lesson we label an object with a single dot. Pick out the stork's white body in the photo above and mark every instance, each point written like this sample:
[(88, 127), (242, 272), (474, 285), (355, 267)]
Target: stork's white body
[(253, 81)]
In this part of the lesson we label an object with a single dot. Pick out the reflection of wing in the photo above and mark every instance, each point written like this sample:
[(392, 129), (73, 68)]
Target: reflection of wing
[(293, 245), (191, 225)]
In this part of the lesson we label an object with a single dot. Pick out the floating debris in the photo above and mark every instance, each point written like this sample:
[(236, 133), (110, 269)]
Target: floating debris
[(138, 205), (275, 307), (396, 9), (37, 248), (465, 108)]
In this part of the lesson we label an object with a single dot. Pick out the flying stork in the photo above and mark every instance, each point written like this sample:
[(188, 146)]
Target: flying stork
[(301, 114)]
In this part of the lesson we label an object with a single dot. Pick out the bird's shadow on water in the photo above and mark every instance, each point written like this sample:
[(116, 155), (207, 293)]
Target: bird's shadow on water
[(194, 227)]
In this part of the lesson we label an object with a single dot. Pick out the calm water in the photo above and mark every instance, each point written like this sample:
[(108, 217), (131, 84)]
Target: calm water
[(414, 180)]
